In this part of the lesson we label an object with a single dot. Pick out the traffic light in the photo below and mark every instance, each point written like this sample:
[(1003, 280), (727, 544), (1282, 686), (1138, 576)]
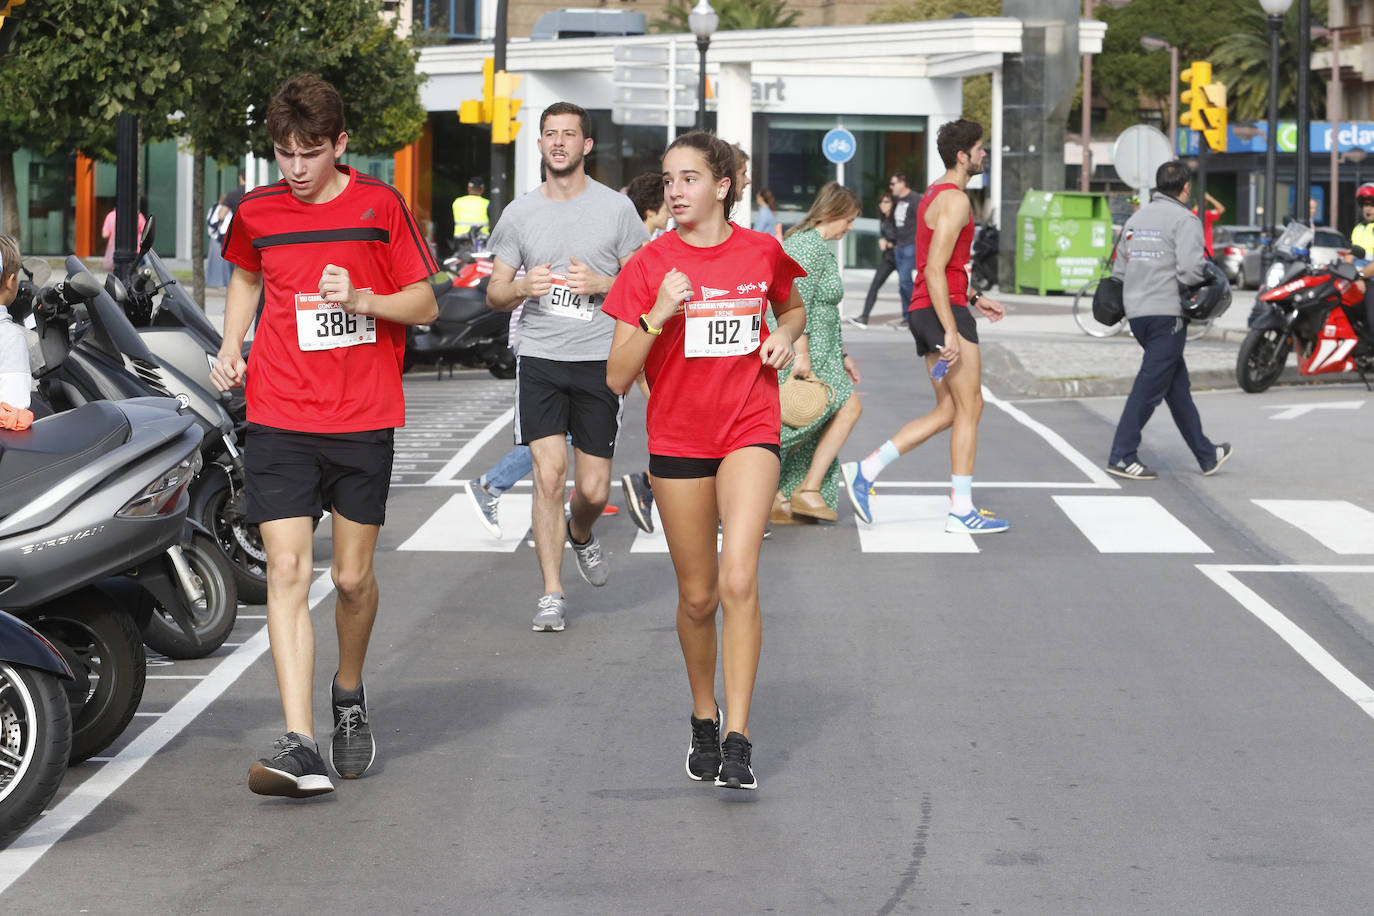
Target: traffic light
[(1206, 103), (479, 111), (7, 7), (503, 127), (1215, 114)]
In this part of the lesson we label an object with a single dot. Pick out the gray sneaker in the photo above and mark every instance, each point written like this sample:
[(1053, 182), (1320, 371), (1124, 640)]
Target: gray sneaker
[(590, 563), (549, 618), (485, 504)]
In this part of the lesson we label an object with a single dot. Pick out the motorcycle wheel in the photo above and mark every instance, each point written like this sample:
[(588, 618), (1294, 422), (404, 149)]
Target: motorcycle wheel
[(212, 617), (216, 506), (35, 742), (1083, 313), (980, 280), (105, 651), (504, 367), (1260, 359)]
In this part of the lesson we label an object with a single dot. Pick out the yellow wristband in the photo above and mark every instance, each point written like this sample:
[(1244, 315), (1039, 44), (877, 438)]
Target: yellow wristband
[(644, 323)]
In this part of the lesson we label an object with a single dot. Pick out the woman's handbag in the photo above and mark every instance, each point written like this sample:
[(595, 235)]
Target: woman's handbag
[(804, 400)]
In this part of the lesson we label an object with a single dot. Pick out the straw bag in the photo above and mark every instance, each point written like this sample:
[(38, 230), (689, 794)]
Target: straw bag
[(804, 400)]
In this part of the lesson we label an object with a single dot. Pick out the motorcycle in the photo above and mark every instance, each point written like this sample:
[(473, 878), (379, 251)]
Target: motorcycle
[(1318, 312), (188, 606), (35, 724), (983, 258), (467, 332)]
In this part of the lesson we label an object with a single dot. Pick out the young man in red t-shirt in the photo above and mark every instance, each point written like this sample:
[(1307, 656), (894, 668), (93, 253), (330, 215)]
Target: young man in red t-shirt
[(345, 268)]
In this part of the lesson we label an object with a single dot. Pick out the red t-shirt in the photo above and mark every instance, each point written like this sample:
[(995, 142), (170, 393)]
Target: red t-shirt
[(367, 230), (708, 406), (956, 271)]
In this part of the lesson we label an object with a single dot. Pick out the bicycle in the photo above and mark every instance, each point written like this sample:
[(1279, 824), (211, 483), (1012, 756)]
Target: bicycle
[(1083, 312)]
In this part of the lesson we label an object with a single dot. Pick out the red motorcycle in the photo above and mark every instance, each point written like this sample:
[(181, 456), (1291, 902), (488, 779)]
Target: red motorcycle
[(1318, 312)]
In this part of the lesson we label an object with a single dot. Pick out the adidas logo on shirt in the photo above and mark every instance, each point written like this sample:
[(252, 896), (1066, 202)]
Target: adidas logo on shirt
[(368, 214)]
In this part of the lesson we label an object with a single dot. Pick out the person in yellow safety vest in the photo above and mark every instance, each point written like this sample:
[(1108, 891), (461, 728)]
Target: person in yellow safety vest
[(471, 210), (1363, 236)]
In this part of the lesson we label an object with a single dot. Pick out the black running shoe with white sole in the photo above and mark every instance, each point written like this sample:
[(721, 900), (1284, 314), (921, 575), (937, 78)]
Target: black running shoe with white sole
[(1131, 471), (352, 748), (703, 754), (1223, 452), (296, 770), (735, 771)]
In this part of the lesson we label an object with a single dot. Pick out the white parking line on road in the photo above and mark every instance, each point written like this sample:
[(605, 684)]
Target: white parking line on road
[(1340, 526), (29, 847), (444, 476), (1129, 524), (177, 677), (1307, 647), (1095, 474)]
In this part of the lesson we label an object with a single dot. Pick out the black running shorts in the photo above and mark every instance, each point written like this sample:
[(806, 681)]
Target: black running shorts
[(670, 467), (930, 334), (554, 398), (298, 475)]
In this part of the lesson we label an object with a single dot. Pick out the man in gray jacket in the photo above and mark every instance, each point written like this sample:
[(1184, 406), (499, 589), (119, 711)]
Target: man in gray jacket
[(1160, 250)]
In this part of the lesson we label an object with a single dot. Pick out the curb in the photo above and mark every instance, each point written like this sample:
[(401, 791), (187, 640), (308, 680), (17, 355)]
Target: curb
[(1004, 374)]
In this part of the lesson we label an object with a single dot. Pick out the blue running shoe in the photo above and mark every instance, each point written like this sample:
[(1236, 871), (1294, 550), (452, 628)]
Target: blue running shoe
[(858, 488), (976, 522)]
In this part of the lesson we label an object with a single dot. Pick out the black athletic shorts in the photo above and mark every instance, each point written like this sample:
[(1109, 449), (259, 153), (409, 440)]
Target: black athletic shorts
[(670, 467), (930, 334), (298, 475), (553, 398)]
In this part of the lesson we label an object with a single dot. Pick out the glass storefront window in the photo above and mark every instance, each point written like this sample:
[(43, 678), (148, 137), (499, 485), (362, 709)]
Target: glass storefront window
[(46, 188), (448, 19)]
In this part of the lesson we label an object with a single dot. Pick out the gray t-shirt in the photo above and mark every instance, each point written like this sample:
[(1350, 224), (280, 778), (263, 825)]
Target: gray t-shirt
[(597, 227)]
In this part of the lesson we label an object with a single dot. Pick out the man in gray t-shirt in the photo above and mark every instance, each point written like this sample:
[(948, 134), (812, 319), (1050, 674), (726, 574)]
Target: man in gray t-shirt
[(571, 235)]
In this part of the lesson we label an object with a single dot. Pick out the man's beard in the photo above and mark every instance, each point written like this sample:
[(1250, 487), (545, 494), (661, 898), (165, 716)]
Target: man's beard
[(573, 163), (979, 168)]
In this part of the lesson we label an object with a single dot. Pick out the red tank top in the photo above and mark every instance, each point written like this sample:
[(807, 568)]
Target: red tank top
[(956, 271)]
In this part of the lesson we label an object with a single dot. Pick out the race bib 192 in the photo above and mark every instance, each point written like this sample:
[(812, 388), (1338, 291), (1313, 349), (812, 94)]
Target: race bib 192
[(322, 325), (561, 301), (722, 327)]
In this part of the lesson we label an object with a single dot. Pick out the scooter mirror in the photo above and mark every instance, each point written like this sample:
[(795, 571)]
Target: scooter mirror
[(145, 242), (84, 285), (38, 270), (116, 289), (1358, 251)]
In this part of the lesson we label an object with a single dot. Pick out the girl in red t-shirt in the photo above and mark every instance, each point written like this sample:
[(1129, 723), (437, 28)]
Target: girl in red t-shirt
[(690, 306)]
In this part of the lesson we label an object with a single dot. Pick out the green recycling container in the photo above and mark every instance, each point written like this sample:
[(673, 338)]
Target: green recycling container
[(1062, 240)]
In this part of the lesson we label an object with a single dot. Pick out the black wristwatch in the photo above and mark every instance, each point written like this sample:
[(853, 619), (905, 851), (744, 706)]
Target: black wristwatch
[(975, 297)]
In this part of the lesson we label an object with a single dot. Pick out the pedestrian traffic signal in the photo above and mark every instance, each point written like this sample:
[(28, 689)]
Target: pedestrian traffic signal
[(503, 127), (479, 111), (1214, 114)]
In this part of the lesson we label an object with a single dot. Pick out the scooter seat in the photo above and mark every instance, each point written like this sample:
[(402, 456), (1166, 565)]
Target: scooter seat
[(461, 306), (34, 459)]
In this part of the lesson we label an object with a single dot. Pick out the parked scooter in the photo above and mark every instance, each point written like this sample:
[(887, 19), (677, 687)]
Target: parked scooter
[(1316, 311), (983, 257), (89, 498), (35, 724), (189, 609), (467, 331)]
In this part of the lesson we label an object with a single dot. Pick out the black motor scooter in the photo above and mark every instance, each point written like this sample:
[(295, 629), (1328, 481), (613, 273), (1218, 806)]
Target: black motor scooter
[(983, 257), (467, 332), (36, 737)]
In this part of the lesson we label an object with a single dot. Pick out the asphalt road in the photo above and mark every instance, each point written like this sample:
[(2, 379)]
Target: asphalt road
[(1147, 697)]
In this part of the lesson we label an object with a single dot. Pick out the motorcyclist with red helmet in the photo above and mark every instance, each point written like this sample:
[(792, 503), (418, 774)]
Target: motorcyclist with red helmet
[(1363, 236)]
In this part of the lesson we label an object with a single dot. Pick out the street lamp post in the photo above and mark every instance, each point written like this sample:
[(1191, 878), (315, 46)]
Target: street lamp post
[(1275, 10), (1155, 43), (702, 20)]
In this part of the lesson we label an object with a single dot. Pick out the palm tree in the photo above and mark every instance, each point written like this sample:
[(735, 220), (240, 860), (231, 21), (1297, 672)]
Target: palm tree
[(734, 14), (1241, 61)]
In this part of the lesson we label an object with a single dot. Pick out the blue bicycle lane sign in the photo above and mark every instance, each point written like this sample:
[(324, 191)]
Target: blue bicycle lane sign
[(838, 145)]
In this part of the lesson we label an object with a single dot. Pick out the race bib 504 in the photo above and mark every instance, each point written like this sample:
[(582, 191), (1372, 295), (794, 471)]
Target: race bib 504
[(560, 300)]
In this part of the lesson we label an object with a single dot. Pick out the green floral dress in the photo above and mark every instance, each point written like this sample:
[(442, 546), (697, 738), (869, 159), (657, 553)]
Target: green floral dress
[(821, 292)]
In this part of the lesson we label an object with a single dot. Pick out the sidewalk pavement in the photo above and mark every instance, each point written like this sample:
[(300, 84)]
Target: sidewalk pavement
[(1038, 351)]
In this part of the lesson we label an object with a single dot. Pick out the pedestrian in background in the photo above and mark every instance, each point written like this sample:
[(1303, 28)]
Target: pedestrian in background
[(887, 245), (16, 382), (1161, 250), (107, 231), (766, 220), (809, 482), (904, 204)]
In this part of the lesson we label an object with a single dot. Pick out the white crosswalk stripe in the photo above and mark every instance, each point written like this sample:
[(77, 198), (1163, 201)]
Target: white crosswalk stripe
[(1340, 526), (912, 524), (454, 527), (1129, 524)]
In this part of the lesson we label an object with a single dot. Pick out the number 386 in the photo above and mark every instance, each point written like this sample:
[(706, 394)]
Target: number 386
[(335, 324)]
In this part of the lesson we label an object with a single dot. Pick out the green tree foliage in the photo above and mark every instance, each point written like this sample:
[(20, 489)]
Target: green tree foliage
[(734, 14), (977, 102), (1241, 60), (1231, 34)]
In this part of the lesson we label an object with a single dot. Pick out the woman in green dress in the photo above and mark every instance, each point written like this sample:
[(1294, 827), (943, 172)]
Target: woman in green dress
[(809, 485)]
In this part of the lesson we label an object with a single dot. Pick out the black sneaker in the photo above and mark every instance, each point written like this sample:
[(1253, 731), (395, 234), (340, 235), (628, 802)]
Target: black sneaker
[(703, 754), (294, 771), (639, 499), (1133, 471), (352, 749), (1223, 452), (735, 772)]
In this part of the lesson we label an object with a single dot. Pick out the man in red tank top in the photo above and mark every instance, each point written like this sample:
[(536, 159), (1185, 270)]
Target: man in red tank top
[(945, 333)]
